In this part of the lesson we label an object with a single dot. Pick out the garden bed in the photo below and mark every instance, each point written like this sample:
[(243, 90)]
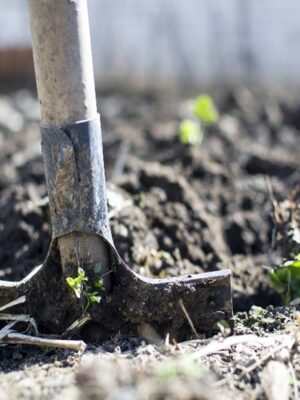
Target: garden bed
[(175, 209)]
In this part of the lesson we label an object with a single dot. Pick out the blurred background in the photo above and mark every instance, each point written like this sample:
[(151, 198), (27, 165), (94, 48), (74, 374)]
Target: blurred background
[(163, 44)]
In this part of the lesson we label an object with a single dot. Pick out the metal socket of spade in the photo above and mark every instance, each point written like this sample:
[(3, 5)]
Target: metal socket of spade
[(76, 185)]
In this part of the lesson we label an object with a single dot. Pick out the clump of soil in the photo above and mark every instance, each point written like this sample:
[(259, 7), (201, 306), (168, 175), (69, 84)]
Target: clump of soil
[(175, 209)]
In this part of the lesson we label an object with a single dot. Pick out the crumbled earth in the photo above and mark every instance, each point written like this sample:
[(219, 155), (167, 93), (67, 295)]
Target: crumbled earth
[(175, 209)]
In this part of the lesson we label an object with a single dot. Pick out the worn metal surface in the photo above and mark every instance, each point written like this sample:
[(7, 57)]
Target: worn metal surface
[(75, 178), (132, 301), (76, 185)]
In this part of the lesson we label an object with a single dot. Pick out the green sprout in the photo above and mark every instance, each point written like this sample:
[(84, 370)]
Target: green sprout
[(286, 279), (93, 298), (204, 109), (190, 132), (99, 284), (77, 283), (80, 287), (204, 113)]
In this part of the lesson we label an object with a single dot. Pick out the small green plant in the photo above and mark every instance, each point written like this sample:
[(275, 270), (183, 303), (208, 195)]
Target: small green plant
[(204, 109), (190, 132), (204, 112), (286, 279), (76, 284), (99, 284), (80, 286)]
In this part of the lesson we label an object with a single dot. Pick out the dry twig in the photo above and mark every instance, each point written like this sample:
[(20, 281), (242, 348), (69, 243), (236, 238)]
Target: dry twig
[(188, 318), (19, 338)]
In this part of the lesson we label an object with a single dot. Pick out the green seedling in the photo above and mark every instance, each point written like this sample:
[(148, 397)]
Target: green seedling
[(190, 132), (286, 279), (76, 284), (204, 109), (99, 284), (92, 298), (204, 112), (80, 287)]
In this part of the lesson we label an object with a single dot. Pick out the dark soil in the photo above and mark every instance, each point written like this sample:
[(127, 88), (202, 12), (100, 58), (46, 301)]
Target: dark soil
[(177, 209), (194, 208)]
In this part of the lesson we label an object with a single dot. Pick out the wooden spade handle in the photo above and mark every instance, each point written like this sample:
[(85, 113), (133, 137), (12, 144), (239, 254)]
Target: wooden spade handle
[(63, 60), (66, 90)]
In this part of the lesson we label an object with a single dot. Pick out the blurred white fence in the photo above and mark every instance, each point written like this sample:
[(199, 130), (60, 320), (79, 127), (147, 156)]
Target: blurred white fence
[(163, 43)]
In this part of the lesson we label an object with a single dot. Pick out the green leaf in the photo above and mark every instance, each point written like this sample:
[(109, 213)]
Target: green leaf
[(71, 282), (94, 299), (81, 276), (190, 132), (205, 110), (99, 283), (278, 284), (286, 279), (76, 283)]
